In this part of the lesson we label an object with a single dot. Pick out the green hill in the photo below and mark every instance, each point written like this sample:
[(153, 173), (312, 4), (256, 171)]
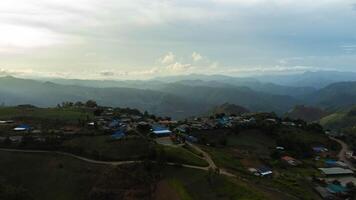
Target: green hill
[(342, 120), (306, 113)]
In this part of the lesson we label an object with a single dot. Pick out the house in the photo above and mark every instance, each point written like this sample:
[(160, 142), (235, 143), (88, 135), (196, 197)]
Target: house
[(334, 163), (280, 148), (22, 127), (161, 131), (6, 122), (16, 139), (324, 193), (336, 189), (264, 171), (119, 134), (288, 123), (114, 124), (320, 149), (336, 171), (291, 161)]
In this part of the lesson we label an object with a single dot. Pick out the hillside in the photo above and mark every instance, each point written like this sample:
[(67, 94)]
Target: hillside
[(306, 113), (342, 120), (244, 96), (16, 91), (229, 109), (334, 96)]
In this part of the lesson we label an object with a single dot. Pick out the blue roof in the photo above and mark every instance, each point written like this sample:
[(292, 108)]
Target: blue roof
[(114, 123), (330, 162), (24, 126), (336, 188), (118, 134), (160, 130), (264, 169)]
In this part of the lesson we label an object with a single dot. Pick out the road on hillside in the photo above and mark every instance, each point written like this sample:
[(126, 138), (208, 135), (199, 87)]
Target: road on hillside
[(206, 157), (342, 154), (117, 163)]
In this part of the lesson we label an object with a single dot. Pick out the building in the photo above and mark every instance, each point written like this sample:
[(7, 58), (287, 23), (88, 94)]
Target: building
[(119, 134), (161, 131), (336, 171), (22, 127), (291, 161), (264, 171)]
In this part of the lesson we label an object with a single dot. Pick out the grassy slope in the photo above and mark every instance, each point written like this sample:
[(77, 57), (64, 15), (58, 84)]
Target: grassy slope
[(70, 114), (49, 176), (130, 149), (193, 184), (258, 145), (106, 148)]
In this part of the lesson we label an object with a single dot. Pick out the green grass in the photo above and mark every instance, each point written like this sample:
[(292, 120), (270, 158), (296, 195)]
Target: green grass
[(103, 147), (49, 176), (252, 140), (67, 114), (193, 150), (179, 187), (193, 184), (224, 159), (182, 155)]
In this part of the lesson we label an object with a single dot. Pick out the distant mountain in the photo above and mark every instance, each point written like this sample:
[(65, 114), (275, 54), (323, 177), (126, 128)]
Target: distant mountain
[(306, 113), (179, 98), (334, 96), (14, 91), (229, 109), (244, 96), (318, 79)]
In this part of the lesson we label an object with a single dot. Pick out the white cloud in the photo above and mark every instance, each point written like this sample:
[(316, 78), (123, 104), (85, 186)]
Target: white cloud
[(196, 57), (178, 67), (168, 58)]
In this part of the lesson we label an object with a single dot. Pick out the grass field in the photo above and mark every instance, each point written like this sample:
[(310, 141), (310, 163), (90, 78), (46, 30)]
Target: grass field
[(63, 114), (182, 155), (48, 176), (193, 184), (104, 148)]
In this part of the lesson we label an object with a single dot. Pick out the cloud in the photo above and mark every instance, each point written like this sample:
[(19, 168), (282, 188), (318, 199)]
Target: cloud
[(168, 58), (196, 57), (107, 73), (178, 67)]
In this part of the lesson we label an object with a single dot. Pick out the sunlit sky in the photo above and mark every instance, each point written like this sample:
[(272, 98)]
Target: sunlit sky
[(137, 39)]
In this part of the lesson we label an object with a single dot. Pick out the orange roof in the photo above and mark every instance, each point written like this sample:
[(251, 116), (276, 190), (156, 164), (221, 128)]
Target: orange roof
[(287, 158)]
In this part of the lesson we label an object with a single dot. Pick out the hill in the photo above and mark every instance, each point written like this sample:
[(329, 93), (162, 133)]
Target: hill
[(306, 113), (341, 120), (229, 109), (334, 96), (244, 96), (16, 91)]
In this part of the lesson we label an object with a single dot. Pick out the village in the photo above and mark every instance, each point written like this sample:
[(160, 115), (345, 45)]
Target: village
[(335, 178)]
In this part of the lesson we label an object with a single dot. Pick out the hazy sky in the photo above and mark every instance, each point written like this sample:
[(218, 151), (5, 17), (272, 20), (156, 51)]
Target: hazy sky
[(128, 39)]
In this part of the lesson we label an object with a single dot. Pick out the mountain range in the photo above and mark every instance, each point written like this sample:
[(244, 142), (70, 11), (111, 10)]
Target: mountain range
[(183, 96)]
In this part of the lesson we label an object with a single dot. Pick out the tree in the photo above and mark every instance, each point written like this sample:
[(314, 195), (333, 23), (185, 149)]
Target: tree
[(91, 104)]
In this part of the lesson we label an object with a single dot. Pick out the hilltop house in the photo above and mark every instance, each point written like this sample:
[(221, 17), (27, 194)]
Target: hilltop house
[(291, 161), (336, 171), (22, 127), (161, 131)]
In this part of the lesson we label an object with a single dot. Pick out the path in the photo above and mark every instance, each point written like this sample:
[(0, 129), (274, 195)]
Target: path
[(210, 161), (117, 163), (342, 154)]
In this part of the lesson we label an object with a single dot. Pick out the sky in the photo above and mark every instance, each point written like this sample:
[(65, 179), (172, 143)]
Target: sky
[(140, 39)]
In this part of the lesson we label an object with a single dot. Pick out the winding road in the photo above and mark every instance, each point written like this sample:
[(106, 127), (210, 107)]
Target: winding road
[(206, 157), (342, 154)]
